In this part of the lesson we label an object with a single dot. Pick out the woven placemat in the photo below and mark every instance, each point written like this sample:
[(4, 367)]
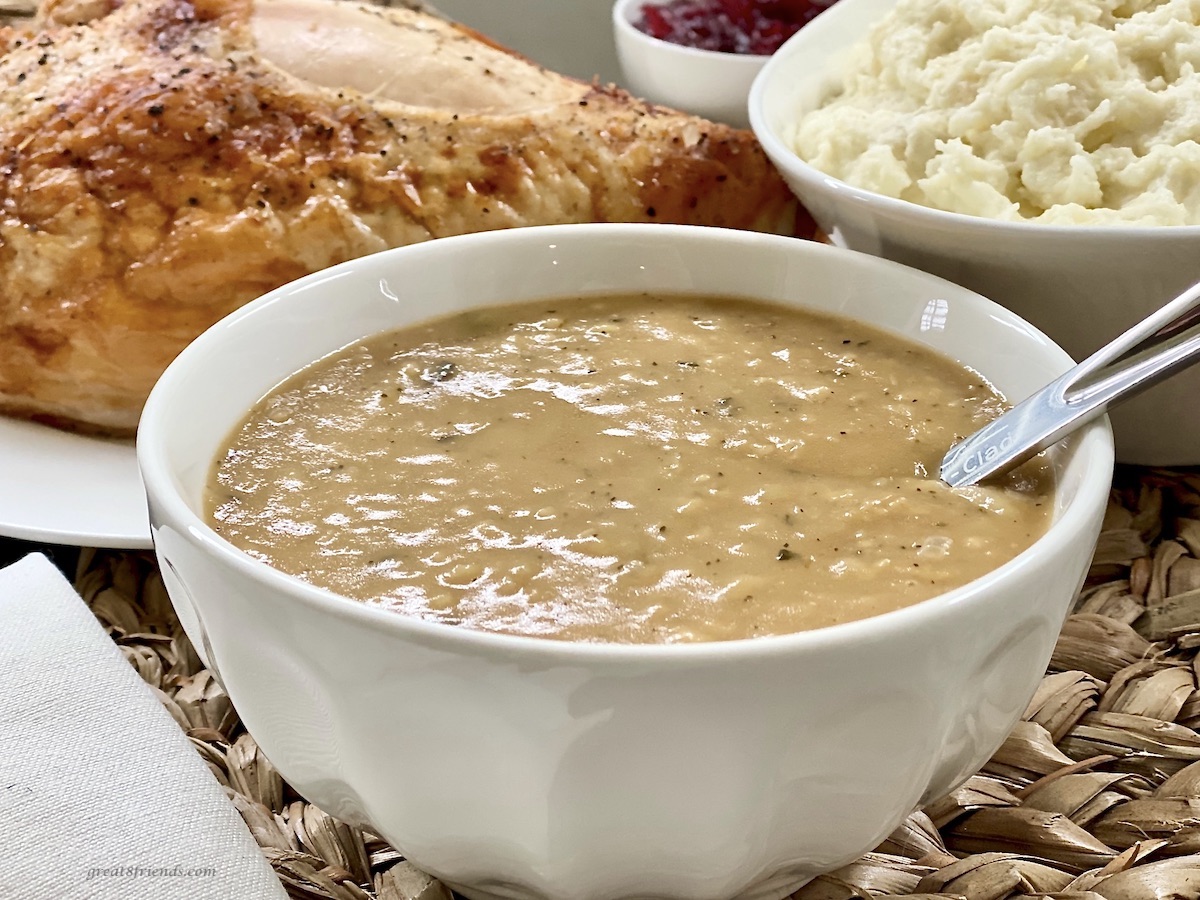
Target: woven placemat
[(1094, 796)]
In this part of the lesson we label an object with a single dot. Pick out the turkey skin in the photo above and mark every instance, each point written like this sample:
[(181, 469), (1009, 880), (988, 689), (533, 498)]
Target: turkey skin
[(163, 162)]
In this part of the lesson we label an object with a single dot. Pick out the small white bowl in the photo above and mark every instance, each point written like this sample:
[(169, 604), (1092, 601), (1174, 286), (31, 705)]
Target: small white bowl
[(1082, 285), (703, 82), (516, 767)]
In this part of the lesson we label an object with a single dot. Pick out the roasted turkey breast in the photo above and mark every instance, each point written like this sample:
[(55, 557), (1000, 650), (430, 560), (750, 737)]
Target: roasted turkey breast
[(163, 162)]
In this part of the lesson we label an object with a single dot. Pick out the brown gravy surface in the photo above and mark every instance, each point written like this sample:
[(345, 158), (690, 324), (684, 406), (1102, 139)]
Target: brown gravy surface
[(626, 469)]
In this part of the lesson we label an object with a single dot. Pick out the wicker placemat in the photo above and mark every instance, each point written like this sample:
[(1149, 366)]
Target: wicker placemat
[(1094, 796)]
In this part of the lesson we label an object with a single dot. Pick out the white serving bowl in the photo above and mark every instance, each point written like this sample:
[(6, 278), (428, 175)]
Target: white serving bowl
[(1081, 285), (525, 767), (702, 82)]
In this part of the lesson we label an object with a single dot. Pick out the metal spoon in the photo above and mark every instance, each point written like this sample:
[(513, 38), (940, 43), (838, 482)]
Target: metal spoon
[(1156, 348)]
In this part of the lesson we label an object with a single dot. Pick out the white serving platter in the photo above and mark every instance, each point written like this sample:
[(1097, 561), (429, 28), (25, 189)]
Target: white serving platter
[(62, 488)]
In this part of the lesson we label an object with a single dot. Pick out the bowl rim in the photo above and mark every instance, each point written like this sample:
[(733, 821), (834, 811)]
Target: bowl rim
[(1093, 446), (791, 55), (623, 14)]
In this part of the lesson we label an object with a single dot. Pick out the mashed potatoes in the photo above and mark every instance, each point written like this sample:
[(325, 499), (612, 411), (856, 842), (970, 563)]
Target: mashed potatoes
[(1072, 112)]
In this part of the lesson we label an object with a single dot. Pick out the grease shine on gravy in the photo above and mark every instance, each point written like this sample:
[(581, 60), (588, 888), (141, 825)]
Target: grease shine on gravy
[(630, 469)]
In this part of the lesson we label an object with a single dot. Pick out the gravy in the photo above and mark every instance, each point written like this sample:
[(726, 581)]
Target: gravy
[(626, 469)]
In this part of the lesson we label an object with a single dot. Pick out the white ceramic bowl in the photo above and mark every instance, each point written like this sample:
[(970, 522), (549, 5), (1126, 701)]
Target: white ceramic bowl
[(1081, 285), (524, 767), (703, 82)]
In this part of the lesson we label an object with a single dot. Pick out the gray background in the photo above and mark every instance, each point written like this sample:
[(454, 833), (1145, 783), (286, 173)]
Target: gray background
[(570, 36)]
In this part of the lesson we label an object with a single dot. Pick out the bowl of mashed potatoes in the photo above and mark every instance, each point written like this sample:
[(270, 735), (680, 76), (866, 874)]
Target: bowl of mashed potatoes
[(1048, 158), (555, 555)]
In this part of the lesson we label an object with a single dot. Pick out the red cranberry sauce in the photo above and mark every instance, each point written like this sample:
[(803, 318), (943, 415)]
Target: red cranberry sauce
[(755, 27)]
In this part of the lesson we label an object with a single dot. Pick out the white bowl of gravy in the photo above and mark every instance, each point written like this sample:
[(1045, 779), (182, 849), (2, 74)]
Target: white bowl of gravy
[(509, 725)]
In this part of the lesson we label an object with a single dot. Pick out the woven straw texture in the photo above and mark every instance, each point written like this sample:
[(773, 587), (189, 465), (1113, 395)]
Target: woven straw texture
[(1095, 795)]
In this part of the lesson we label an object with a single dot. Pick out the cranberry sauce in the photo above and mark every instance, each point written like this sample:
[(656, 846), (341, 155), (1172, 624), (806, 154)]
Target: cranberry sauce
[(732, 26)]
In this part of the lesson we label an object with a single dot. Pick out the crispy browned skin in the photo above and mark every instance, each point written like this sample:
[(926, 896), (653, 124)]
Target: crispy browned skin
[(156, 173)]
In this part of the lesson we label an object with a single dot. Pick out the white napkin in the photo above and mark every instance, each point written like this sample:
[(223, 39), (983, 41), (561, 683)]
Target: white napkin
[(101, 794)]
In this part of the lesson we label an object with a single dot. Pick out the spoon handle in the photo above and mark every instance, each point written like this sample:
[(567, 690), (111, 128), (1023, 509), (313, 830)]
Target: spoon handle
[(1156, 348)]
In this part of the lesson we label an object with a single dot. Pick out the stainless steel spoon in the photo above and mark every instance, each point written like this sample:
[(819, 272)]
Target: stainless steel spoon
[(1156, 348)]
